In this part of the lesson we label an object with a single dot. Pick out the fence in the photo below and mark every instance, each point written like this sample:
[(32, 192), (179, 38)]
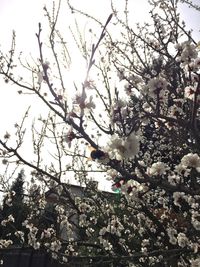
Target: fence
[(27, 258)]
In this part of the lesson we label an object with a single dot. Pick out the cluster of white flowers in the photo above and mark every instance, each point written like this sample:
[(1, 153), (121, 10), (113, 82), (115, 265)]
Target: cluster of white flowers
[(32, 239), (84, 207), (195, 262), (42, 202), (190, 92), (196, 64), (10, 219), (195, 220), (145, 242), (55, 245), (4, 243), (180, 169), (48, 233), (123, 147), (8, 198), (115, 227), (111, 174), (191, 160), (105, 243), (135, 83), (188, 52), (157, 168), (174, 179), (147, 108), (157, 86), (177, 196), (20, 235), (172, 235), (182, 240), (175, 111), (60, 209), (82, 103), (70, 250)]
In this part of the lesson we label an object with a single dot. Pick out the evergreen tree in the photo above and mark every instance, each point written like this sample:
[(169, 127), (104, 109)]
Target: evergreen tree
[(14, 211)]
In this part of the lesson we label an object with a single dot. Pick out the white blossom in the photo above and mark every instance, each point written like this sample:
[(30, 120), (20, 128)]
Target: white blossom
[(172, 235), (10, 219), (157, 86), (190, 92), (83, 104), (196, 224), (177, 196), (188, 52), (20, 234), (55, 245), (191, 160), (195, 262), (197, 63), (123, 148), (105, 243), (182, 240), (195, 220), (157, 168), (5, 243)]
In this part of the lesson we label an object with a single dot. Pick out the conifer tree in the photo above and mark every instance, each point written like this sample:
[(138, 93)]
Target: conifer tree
[(14, 211)]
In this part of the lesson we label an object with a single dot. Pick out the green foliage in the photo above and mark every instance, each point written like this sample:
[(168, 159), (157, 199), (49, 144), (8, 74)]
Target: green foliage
[(15, 206)]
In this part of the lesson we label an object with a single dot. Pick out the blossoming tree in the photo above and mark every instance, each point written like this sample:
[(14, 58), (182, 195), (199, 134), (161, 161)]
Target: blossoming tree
[(134, 120)]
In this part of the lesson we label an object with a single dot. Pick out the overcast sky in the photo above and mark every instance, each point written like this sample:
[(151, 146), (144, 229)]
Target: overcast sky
[(23, 17)]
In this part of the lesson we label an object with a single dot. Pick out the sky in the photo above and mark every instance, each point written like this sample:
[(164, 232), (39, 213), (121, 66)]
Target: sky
[(23, 17)]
